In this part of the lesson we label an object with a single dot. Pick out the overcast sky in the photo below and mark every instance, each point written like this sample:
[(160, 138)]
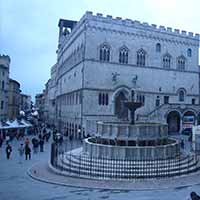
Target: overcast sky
[(29, 31)]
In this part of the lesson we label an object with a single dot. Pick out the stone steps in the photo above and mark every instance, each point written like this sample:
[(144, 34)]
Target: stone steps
[(123, 175), (98, 169), (174, 161), (128, 164), (106, 167)]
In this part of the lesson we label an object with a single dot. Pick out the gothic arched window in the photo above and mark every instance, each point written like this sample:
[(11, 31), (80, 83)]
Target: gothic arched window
[(181, 95), (104, 53), (99, 98), (158, 101), (106, 101), (2, 85), (189, 52), (166, 61), (158, 47), (141, 57), (123, 55), (181, 62), (103, 99)]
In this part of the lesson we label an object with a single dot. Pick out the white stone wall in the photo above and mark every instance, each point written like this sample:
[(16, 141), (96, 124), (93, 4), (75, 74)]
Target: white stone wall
[(136, 36), (99, 76), (152, 76), (78, 67)]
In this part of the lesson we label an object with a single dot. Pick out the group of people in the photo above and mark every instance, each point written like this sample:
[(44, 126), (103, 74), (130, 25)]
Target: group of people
[(24, 148)]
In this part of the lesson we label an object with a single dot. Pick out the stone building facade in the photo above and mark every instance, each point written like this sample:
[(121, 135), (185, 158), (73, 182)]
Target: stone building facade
[(103, 61), (50, 97), (25, 103), (40, 104), (4, 85), (13, 99)]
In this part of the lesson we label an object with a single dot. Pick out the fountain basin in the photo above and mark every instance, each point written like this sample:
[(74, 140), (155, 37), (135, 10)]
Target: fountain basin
[(141, 141), (167, 151), (129, 132)]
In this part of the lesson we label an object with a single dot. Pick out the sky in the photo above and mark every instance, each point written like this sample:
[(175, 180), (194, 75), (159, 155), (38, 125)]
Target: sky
[(29, 29)]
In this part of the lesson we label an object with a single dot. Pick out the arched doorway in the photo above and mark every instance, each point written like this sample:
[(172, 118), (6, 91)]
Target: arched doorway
[(173, 121), (120, 110)]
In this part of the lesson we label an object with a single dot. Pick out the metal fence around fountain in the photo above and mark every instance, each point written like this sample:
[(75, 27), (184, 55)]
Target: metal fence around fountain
[(103, 168)]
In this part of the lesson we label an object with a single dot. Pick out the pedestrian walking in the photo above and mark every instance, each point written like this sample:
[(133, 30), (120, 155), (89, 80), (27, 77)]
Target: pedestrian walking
[(182, 144), (27, 152), (7, 139), (41, 143), (1, 140), (27, 142), (21, 153), (35, 143), (48, 136), (44, 131), (8, 151), (40, 136)]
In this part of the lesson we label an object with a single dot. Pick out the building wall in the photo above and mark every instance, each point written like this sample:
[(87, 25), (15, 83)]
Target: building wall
[(51, 96), (4, 85), (79, 71), (25, 102), (40, 104), (13, 99)]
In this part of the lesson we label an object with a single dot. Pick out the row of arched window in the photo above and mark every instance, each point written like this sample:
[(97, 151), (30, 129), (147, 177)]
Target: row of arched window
[(103, 99), (71, 99), (158, 49), (138, 98), (181, 98), (167, 61), (74, 57), (73, 130), (141, 57)]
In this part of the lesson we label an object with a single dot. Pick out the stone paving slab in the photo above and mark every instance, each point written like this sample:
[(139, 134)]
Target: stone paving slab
[(44, 172)]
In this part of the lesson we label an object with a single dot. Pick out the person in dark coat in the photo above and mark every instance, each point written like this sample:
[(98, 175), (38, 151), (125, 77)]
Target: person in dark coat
[(41, 143), (48, 136), (40, 136), (27, 152), (194, 196), (35, 143), (1, 140), (44, 131), (8, 151)]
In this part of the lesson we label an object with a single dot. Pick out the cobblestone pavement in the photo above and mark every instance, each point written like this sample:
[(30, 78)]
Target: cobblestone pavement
[(15, 184)]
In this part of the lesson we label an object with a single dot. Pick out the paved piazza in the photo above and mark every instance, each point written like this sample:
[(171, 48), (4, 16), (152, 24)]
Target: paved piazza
[(17, 184)]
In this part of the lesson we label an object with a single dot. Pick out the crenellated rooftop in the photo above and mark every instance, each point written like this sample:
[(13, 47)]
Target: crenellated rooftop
[(5, 60), (6, 57), (138, 24)]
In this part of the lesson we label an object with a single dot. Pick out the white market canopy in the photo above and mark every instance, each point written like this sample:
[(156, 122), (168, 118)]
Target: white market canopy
[(15, 124), (4, 125), (26, 123)]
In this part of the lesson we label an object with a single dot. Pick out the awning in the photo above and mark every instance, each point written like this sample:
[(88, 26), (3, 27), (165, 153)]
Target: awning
[(15, 124)]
